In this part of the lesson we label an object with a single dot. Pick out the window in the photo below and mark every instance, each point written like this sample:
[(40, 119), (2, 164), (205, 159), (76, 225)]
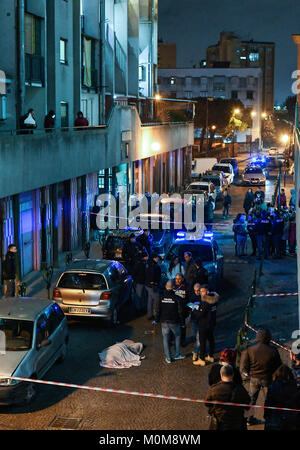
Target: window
[(142, 73), (64, 113), (54, 317), (18, 334), (33, 32), (101, 179), (243, 82), (219, 83), (87, 281), (249, 95), (172, 81), (63, 51), (234, 95), (254, 57), (188, 94)]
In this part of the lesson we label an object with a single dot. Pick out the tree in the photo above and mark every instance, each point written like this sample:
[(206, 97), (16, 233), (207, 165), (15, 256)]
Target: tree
[(268, 132)]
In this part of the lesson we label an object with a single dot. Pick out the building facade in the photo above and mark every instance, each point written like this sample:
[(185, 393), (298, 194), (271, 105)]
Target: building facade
[(239, 84), (97, 56), (233, 52)]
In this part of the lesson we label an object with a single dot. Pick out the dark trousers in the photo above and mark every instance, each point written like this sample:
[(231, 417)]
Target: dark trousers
[(206, 335), (9, 288), (253, 242), (276, 242)]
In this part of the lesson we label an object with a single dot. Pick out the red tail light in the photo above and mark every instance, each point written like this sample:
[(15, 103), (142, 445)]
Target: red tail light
[(56, 294), (106, 295)]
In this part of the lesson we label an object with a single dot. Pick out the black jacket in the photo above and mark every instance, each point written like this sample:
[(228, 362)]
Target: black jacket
[(260, 361), (214, 375), (169, 308), (145, 241), (282, 394), (153, 274), (203, 317), (201, 276), (190, 272), (228, 417), (249, 198), (139, 271), (131, 251), (212, 299), (183, 292), (9, 266)]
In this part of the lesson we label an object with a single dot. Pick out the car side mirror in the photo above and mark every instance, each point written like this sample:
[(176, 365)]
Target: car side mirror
[(44, 343)]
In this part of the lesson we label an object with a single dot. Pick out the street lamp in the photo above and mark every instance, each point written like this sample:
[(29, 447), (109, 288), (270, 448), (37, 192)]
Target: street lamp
[(236, 111), (264, 115), (157, 97), (285, 139), (156, 146), (213, 127)]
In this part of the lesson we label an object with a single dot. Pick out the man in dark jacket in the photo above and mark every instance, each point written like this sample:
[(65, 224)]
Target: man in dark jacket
[(260, 362), (227, 417), (169, 313), (152, 280), (131, 252), (189, 269), (49, 121), (9, 271), (146, 239), (194, 304), (203, 318), (226, 204), (182, 289), (248, 200), (139, 276)]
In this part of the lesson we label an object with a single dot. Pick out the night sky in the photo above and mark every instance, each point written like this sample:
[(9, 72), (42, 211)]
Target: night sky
[(196, 24)]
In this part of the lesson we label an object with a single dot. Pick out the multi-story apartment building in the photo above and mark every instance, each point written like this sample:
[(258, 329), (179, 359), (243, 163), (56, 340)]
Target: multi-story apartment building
[(238, 84), (98, 56), (233, 52)]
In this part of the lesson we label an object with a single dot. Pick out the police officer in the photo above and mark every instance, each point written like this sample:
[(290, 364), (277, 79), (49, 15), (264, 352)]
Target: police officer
[(277, 231), (152, 281)]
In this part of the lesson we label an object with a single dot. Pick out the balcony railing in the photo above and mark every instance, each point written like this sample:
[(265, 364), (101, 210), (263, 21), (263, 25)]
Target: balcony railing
[(34, 69)]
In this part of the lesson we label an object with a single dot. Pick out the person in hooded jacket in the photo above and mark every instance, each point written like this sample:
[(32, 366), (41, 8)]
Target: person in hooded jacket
[(169, 312), (49, 121), (282, 393), (248, 200), (9, 271), (259, 362), (81, 121)]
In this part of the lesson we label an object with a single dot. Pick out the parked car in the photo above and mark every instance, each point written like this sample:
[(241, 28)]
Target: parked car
[(36, 336), (227, 169), (202, 187), (219, 181), (233, 162), (273, 163), (254, 175), (205, 248), (93, 288), (112, 245)]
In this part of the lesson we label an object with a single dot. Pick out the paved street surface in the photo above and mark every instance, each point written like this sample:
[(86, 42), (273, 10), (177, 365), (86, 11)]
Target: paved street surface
[(99, 410)]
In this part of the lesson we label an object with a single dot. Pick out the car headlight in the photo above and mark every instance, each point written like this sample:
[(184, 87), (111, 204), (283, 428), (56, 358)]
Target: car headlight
[(8, 382)]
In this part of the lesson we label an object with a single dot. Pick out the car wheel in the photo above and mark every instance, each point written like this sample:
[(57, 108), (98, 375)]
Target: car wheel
[(64, 353)]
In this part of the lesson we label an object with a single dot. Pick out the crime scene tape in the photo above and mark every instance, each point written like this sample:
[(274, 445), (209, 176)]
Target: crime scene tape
[(288, 294), (144, 394), (273, 342)]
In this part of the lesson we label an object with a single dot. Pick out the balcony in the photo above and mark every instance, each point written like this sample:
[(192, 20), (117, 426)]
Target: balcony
[(34, 70)]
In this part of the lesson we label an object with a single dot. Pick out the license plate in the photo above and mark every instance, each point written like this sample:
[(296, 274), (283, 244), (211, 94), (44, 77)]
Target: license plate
[(79, 310)]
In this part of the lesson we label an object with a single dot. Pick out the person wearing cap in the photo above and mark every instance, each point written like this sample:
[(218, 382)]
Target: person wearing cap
[(139, 277), (259, 362), (224, 417), (152, 281), (227, 357), (169, 312)]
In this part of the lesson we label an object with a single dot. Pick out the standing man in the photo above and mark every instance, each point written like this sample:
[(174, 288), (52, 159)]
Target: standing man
[(9, 271), (226, 204), (131, 252), (260, 362), (146, 239), (28, 122), (49, 121), (169, 313), (248, 200), (139, 276), (182, 289), (227, 417), (189, 269), (152, 280)]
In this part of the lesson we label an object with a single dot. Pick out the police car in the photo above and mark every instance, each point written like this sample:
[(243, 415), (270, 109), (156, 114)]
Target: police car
[(205, 248)]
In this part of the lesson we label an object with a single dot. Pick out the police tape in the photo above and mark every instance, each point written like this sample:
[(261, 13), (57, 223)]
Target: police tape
[(144, 394), (283, 294), (273, 342)]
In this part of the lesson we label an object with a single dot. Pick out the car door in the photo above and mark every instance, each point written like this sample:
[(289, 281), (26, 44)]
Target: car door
[(45, 353)]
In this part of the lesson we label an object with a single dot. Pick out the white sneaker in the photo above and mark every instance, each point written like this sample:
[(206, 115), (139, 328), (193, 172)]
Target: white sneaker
[(179, 357)]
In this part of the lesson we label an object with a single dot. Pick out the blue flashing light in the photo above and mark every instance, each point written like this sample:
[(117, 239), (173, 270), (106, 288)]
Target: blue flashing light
[(180, 234)]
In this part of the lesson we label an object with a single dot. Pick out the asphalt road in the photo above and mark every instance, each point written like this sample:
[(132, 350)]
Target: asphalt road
[(105, 411)]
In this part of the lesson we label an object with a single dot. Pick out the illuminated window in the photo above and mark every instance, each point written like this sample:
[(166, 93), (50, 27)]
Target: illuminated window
[(173, 81), (253, 57), (63, 51)]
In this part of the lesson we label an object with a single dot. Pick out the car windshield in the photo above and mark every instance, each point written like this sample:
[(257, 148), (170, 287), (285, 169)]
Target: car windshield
[(229, 161), (198, 187), (17, 334), (253, 170), (224, 169), (86, 281), (199, 251)]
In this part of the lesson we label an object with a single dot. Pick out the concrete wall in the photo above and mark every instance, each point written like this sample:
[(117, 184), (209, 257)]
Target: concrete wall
[(31, 161)]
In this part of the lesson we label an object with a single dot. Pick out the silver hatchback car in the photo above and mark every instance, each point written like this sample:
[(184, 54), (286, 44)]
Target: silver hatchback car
[(93, 288), (34, 335)]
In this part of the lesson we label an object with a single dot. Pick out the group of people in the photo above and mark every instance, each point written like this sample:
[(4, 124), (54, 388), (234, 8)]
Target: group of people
[(262, 365), (28, 122), (272, 230)]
